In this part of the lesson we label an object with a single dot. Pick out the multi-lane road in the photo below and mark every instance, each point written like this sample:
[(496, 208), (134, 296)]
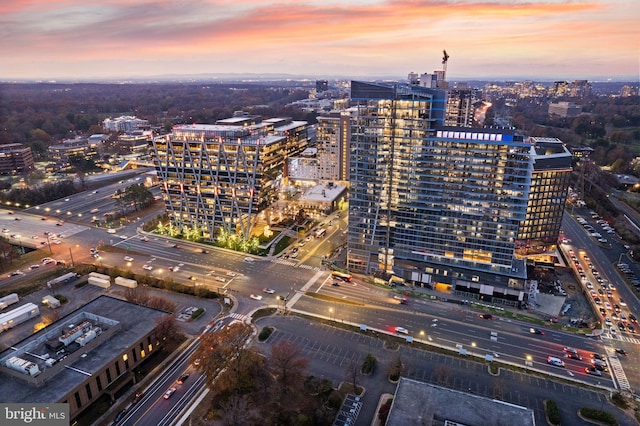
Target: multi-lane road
[(429, 321)]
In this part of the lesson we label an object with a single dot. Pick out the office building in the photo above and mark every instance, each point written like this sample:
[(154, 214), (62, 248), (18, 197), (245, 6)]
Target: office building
[(460, 107), (124, 123), (438, 206), (222, 176), (565, 109), (61, 155), (550, 181), (90, 352), (15, 158)]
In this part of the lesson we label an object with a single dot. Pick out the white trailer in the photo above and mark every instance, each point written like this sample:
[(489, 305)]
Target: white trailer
[(98, 275), (9, 299), (126, 282), (23, 366), (50, 301), (62, 279), (18, 316), (100, 282)]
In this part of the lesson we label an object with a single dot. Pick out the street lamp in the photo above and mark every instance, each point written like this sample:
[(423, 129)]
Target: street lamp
[(473, 345), (528, 361), (332, 316)]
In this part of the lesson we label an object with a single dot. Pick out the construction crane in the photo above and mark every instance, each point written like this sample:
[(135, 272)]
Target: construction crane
[(445, 58)]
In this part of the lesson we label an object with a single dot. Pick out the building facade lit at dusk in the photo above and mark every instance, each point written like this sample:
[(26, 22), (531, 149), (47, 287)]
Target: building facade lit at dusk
[(444, 206)]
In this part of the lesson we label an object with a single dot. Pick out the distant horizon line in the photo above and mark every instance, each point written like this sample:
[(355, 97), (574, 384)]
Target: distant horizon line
[(184, 78)]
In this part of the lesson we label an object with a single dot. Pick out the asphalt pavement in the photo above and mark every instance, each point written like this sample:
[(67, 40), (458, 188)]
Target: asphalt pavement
[(331, 351)]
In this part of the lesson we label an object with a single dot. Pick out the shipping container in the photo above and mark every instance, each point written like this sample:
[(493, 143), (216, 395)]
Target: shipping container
[(126, 282), (100, 282)]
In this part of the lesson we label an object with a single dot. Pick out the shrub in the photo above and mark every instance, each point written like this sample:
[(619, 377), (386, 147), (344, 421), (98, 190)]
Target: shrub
[(265, 333), (599, 416), (61, 298), (395, 370), (369, 364), (383, 412), (553, 414), (197, 313)]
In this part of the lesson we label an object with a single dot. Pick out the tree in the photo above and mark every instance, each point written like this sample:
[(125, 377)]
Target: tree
[(167, 330), (137, 295), (157, 302), (225, 350), (287, 365)]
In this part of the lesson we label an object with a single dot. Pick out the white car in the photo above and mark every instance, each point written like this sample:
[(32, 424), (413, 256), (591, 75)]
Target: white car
[(128, 258), (268, 290), (123, 237), (147, 267), (248, 259), (256, 297), (221, 279), (608, 306), (402, 330)]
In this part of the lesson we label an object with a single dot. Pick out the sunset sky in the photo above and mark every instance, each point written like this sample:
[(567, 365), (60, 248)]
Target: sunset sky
[(485, 39)]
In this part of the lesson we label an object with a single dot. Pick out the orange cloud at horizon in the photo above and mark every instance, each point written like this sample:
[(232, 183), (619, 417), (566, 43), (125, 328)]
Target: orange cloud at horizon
[(299, 37)]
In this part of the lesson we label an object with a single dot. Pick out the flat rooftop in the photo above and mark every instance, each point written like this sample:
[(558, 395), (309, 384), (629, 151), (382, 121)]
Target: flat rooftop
[(322, 193), (419, 403), (121, 323)]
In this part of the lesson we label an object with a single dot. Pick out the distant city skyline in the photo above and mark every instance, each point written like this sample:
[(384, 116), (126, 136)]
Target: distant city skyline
[(500, 40)]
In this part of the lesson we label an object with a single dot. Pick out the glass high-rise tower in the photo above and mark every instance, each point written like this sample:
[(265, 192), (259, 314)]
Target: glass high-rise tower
[(437, 206)]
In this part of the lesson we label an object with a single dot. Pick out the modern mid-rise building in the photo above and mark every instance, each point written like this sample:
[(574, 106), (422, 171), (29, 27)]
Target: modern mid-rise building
[(124, 123), (332, 140), (222, 176), (15, 158), (550, 181), (442, 206)]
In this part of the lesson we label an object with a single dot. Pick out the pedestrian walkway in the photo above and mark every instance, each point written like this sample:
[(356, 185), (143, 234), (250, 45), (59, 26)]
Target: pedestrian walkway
[(237, 316)]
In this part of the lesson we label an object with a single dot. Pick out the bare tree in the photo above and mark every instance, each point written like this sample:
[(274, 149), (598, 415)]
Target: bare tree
[(286, 363), (137, 295), (442, 374), (167, 330), (353, 368), (161, 303)]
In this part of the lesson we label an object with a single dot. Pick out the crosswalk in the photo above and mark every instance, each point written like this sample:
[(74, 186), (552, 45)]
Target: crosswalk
[(621, 338), (238, 316), (295, 264)]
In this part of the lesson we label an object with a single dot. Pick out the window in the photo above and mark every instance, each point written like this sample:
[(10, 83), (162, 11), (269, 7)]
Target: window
[(88, 389), (77, 397), (108, 376), (99, 383), (117, 365)]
